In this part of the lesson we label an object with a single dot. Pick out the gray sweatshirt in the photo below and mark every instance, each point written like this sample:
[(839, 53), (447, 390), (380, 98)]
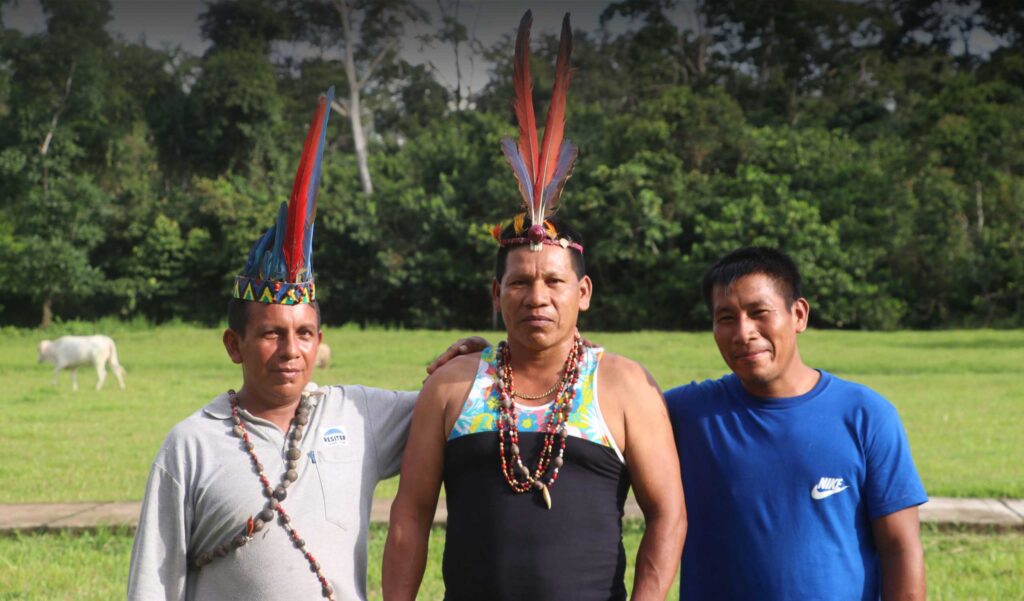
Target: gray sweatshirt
[(202, 489)]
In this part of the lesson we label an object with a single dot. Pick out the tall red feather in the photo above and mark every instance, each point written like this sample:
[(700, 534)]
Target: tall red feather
[(294, 235), (523, 102), (555, 125)]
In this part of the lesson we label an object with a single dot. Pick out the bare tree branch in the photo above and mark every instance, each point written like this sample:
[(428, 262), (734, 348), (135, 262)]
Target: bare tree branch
[(346, 31), (377, 60), (340, 108), (45, 147)]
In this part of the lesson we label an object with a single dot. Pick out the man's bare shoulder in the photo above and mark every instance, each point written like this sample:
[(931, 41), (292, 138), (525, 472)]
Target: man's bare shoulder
[(455, 371), (625, 370), (451, 381)]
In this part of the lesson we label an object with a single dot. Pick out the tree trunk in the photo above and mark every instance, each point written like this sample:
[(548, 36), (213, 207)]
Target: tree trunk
[(703, 41), (359, 139), (47, 312), (768, 40), (980, 208), (44, 148), (355, 113)]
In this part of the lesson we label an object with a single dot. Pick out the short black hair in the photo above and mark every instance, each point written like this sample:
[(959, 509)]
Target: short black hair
[(564, 229), (238, 315), (750, 260)]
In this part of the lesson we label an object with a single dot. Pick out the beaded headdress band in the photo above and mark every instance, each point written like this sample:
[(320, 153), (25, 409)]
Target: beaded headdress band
[(280, 265), (550, 237), (541, 172)]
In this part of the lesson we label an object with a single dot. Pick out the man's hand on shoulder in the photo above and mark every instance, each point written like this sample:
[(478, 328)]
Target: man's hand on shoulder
[(455, 372), (468, 346), (462, 346)]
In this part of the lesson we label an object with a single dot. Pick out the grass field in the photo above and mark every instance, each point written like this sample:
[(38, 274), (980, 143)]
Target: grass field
[(962, 566), (961, 395)]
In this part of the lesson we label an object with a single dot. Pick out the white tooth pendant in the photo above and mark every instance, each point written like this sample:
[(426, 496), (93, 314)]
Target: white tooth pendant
[(544, 492)]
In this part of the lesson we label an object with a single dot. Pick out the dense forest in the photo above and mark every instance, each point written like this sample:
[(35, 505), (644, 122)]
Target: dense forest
[(874, 140)]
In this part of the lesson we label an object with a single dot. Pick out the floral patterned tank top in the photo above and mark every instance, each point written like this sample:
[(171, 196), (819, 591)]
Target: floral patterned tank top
[(480, 412), (504, 546)]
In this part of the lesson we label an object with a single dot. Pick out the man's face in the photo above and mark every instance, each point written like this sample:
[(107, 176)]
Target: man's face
[(756, 329), (540, 296), (277, 353)]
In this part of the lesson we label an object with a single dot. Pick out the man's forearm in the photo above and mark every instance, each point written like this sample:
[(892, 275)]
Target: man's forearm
[(903, 574), (405, 557), (657, 560)]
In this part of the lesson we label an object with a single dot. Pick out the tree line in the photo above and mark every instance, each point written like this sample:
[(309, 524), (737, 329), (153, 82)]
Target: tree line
[(873, 140)]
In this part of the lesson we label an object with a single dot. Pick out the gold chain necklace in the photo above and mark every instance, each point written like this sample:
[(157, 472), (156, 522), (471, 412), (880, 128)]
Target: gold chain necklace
[(537, 397)]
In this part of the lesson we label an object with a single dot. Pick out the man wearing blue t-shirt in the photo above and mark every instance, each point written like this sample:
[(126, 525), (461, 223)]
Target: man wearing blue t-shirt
[(799, 484)]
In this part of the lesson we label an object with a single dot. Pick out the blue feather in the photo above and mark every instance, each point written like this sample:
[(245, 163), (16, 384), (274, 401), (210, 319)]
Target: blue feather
[(276, 269), (522, 174), (307, 246), (567, 154), (256, 254)]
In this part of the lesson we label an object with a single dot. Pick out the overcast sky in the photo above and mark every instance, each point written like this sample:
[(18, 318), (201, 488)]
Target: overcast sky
[(174, 23)]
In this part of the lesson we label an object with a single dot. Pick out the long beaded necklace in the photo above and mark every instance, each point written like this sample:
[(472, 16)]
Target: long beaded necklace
[(274, 495), (517, 475)]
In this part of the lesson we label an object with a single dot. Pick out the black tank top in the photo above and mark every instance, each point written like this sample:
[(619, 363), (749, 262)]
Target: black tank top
[(501, 545)]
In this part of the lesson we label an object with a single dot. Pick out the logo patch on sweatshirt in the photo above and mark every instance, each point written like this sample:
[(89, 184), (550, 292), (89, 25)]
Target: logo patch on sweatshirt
[(334, 436)]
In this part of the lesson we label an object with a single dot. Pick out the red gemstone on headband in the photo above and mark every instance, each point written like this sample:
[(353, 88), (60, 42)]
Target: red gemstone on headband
[(536, 234)]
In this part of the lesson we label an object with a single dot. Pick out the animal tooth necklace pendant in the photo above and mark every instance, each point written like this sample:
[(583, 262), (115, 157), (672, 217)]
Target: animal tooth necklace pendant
[(517, 475), (274, 495)]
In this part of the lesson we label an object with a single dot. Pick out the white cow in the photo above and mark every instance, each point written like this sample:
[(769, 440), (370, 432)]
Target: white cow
[(74, 351), (323, 356)]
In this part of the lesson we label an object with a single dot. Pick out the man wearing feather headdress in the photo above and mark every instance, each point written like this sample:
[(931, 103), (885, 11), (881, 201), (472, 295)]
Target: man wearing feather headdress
[(804, 479), (536, 465), (266, 493)]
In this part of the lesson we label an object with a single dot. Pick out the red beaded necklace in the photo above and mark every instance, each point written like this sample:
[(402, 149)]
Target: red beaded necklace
[(517, 475), (274, 495)]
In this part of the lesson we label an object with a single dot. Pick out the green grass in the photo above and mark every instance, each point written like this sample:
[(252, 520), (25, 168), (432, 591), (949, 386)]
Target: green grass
[(64, 566), (972, 566), (962, 565), (960, 394)]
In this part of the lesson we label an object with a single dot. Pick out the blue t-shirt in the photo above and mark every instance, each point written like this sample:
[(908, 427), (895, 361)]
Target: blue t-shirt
[(780, 492)]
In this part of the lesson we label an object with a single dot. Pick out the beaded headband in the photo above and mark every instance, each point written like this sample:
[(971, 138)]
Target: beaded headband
[(540, 171), (279, 269), (550, 236)]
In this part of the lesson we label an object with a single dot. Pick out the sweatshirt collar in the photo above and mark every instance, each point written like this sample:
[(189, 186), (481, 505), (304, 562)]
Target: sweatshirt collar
[(220, 406)]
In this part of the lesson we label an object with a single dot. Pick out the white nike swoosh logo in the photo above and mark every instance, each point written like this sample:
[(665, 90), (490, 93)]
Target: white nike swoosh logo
[(818, 495)]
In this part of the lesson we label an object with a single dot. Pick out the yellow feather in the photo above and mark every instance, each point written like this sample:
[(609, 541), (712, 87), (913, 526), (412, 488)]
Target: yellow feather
[(519, 222)]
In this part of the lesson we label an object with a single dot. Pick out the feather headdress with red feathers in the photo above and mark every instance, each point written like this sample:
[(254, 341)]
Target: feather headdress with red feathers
[(541, 171), (280, 265)]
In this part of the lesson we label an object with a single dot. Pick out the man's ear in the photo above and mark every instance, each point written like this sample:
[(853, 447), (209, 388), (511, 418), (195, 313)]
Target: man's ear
[(586, 292), (801, 311), (495, 295), (232, 344)]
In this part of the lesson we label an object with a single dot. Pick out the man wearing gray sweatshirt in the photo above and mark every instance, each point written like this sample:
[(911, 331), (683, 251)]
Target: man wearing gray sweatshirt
[(265, 493)]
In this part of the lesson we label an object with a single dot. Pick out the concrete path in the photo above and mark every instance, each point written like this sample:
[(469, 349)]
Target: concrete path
[(1004, 513)]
